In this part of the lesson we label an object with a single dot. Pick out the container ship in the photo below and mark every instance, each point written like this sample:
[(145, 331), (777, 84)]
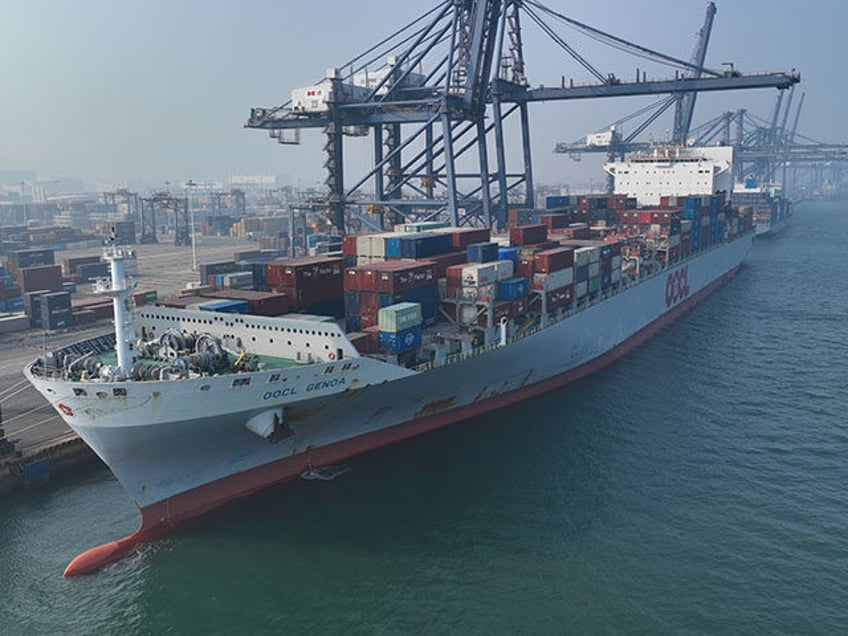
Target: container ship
[(772, 211), (203, 399)]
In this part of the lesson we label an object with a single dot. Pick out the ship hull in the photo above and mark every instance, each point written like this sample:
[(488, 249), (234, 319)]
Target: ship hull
[(179, 468), (771, 228)]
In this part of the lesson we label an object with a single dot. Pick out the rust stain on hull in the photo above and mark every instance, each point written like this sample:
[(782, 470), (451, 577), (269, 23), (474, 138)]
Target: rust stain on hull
[(431, 408)]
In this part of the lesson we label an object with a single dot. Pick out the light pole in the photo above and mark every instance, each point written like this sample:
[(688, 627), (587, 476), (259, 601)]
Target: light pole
[(189, 187)]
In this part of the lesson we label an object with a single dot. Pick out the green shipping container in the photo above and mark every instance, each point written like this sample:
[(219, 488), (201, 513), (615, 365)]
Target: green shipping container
[(399, 317), (594, 284)]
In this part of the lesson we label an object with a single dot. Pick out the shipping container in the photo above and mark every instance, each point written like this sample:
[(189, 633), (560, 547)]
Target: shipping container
[(40, 277), (226, 306), (554, 260), (528, 234), (461, 238), (400, 341), (513, 288), (482, 252), (21, 259), (399, 317), (554, 280)]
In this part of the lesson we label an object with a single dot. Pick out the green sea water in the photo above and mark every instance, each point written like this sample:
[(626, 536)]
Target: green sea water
[(696, 486)]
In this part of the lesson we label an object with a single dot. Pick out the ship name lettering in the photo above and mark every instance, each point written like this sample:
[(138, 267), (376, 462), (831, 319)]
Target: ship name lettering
[(327, 384), (273, 395)]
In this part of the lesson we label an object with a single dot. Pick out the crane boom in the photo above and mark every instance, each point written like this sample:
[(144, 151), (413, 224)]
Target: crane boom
[(685, 106)]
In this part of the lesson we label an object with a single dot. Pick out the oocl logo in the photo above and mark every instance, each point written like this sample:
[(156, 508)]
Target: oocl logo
[(677, 286)]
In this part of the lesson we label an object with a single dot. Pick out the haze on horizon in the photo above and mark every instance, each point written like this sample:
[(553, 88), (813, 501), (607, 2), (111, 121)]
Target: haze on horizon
[(126, 92)]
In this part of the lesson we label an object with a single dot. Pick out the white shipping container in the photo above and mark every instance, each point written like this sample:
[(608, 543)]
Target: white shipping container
[(595, 254), (705, 221), (363, 245), (673, 240), (581, 256), (616, 263), (378, 244), (504, 269), (594, 270), (581, 289), (686, 226), (555, 280), (479, 274), (616, 275), (482, 294)]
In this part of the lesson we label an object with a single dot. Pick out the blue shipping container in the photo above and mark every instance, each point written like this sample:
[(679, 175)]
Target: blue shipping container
[(424, 245), (556, 202), (351, 300), (606, 279), (513, 288), (581, 273), (227, 307), (482, 252), (353, 323), (400, 341), (392, 245), (508, 254), (15, 304)]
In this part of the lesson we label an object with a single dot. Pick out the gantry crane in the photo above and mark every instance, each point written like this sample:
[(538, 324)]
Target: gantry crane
[(447, 84), (165, 201)]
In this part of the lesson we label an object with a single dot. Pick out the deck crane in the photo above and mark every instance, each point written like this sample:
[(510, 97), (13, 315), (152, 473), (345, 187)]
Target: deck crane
[(445, 85)]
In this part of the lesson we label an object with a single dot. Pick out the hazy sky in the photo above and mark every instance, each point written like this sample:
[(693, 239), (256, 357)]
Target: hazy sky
[(120, 91)]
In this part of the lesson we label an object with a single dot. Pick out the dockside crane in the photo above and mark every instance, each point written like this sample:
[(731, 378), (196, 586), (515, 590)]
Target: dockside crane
[(444, 86)]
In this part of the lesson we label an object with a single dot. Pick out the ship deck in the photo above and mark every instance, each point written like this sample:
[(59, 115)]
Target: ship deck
[(266, 362)]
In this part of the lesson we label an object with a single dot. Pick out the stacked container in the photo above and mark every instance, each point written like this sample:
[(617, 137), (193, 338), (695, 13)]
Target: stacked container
[(368, 289), (313, 284), (400, 327), (55, 310)]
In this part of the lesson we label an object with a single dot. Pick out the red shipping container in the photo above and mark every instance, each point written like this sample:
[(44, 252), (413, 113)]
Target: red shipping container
[(393, 277), (526, 267), (454, 274), (528, 234), (368, 304), (313, 292), (441, 262), (260, 303), (363, 341), (554, 260), (41, 277), (518, 216), (463, 237), (555, 221), (352, 279), (303, 270), (349, 245)]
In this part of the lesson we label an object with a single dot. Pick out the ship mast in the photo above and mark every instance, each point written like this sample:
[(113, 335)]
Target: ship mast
[(119, 289)]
